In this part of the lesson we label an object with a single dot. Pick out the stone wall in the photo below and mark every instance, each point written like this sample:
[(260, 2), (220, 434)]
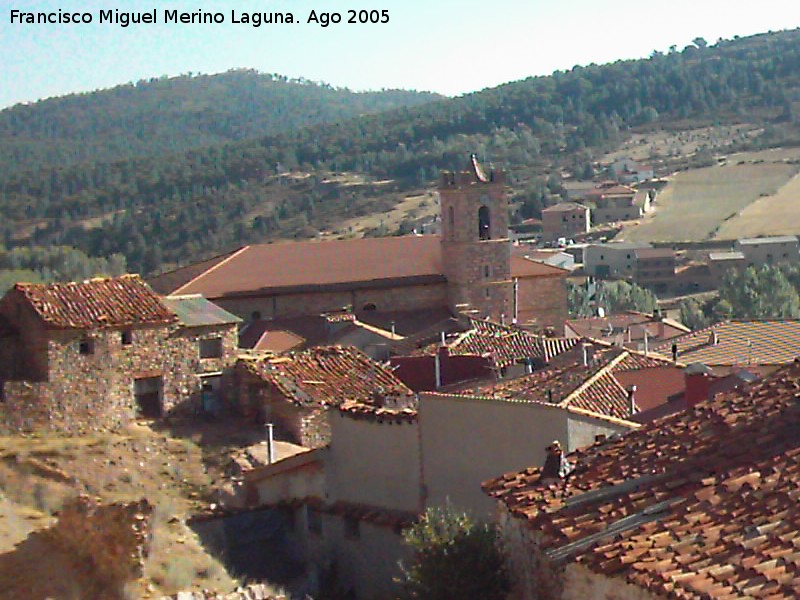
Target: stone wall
[(581, 583), (262, 402), (256, 591), (397, 297), (90, 391), (543, 301), (532, 577), (112, 540)]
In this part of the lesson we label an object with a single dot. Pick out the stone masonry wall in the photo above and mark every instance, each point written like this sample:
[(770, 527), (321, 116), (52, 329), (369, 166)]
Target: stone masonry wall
[(112, 539), (532, 577), (581, 583), (399, 297), (96, 391), (543, 301)]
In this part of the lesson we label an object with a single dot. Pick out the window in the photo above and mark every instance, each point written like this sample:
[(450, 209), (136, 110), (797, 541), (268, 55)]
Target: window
[(86, 345), (126, 337), (486, 271), (487, 293), (313, 520), (255, 315), (211, 348), (352, 528), (369, 306), (451, 219), (484, 223)]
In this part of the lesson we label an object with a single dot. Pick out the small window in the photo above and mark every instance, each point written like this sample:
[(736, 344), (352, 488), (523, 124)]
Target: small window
[(211, 348), (352, 528), (255, 315), (126, 337), (313, 520), (86, 345), (370, 306), (486, 271), (487, 293)]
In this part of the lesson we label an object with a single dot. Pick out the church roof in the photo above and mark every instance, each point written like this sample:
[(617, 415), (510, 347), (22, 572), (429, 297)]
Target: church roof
[(316, 266)]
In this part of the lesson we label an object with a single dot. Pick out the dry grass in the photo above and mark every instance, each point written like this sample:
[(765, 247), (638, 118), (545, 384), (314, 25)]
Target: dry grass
[(38, 473), (696, 204), (777, 214), (414, 206), (664, 144)]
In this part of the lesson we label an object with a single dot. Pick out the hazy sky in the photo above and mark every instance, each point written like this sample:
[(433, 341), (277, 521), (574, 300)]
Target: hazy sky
[(440, 45)]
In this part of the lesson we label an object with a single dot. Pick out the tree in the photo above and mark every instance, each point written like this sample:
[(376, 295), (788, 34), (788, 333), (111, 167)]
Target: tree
[(454, 557), (700, 42)]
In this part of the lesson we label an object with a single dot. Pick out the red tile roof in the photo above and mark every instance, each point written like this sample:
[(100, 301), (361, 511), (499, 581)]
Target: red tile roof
[(296, 264), (625, 325), (96, 303), (326, 376), (740, 343), (312, 265), (599, 389), (700, 504)]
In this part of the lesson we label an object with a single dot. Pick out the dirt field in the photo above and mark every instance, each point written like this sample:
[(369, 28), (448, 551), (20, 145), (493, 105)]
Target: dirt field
[(778, 214), (698, 204)]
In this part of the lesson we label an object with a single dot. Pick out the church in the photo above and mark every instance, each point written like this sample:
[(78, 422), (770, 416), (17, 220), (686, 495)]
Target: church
[(471, 268)]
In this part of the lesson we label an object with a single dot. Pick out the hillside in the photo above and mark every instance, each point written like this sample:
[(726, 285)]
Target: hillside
[(167, 115), (179, 207)]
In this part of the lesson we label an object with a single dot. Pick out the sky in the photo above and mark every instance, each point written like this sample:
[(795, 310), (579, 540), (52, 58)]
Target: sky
[(436, 45)]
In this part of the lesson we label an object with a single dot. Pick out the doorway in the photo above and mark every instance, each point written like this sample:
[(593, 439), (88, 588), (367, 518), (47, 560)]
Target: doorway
[(148, 393)]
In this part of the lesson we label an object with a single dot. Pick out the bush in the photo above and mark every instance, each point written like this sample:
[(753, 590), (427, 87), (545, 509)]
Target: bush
[(455, 557)]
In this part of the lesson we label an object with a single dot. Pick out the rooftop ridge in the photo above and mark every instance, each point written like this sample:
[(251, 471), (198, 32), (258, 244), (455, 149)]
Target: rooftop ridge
[(212, 268)]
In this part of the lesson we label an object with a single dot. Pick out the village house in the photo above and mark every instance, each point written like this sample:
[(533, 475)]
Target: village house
[(612, 259), (768, 250), (700, 504), (295, 391), (389, 459), (655, 269), (614, 202), (631, 329), (627, 170), (99, 353), (719, 263), (467, 268), (565, 219)]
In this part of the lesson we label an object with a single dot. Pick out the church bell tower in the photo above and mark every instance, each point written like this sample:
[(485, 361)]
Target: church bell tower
[(476, 250)]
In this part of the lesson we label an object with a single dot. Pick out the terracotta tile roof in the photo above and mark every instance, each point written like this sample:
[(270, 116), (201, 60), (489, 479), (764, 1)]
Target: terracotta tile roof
[(600, 389), (740, 343), (313, 265), (96, 303), (700, 504), (168, 282), (278, 342), (503, 344), (326, 376), (626, 325), (564, 207)]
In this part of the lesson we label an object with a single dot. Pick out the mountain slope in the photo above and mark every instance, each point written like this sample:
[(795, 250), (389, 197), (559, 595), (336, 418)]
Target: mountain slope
[(167, 115), (176, 207)]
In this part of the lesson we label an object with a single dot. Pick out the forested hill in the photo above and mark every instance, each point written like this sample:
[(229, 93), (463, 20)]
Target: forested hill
[(168, 208), (168, 115)]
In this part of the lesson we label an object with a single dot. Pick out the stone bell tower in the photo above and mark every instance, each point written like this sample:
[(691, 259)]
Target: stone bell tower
[(476, 250)]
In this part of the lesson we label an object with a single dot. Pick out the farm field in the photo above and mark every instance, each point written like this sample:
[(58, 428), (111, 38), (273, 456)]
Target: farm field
[(778, 214), (698, 204)]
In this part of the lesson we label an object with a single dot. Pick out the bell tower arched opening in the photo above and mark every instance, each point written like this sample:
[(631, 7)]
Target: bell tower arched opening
[(484, 223)]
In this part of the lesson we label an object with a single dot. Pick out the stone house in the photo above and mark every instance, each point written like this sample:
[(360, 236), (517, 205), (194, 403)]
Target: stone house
[(565, 219), (615, 202), (98, 353), (700, 504), (627, 170), (295, 391)]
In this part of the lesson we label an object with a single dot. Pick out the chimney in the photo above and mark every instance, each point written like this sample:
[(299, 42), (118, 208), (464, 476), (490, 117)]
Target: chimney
[(661, 331), (438, 358), (713, 338), (674, 352), (555, 465), (632, 400), (697, 378), (587, 353)]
